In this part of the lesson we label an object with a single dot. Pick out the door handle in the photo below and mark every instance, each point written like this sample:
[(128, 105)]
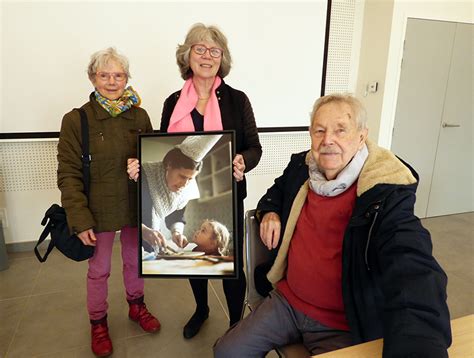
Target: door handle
[(449, 125)]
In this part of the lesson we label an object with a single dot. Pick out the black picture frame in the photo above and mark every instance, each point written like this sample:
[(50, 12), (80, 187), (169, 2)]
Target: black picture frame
[(161, 196)]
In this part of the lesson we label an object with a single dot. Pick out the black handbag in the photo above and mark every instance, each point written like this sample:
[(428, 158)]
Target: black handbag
[(55, 220)]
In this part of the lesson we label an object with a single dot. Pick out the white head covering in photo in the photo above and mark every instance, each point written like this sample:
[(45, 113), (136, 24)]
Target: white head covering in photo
[(196, 147)]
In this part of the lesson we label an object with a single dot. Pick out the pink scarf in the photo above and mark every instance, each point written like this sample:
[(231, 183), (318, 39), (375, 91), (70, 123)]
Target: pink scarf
[(181, 120)]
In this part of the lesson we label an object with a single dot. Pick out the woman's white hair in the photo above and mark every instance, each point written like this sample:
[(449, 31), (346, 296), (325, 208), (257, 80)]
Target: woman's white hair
[(101, 58)]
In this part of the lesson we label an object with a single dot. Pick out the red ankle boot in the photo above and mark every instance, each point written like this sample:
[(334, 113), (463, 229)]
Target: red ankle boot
[(100, 341), (139, 313)]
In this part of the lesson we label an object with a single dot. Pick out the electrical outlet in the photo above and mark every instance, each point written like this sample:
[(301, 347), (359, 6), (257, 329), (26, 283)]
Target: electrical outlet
[(3, 217), (373, 87)]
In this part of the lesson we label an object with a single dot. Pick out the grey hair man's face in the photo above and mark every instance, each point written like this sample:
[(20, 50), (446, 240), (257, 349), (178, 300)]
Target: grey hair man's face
[(335, 138)]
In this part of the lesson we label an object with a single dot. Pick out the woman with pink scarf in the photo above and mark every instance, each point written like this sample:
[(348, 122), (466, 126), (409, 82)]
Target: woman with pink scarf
[(207, 103)]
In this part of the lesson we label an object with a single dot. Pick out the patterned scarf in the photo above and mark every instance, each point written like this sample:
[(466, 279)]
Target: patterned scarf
[(165, 201), (129, 98), (321, 186)]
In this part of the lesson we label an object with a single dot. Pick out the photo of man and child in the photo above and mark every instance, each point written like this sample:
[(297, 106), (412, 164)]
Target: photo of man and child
[(186, 206)]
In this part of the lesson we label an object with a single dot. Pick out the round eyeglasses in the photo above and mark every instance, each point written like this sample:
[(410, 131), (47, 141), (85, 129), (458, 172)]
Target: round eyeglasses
[(105, 76), (213, 51)]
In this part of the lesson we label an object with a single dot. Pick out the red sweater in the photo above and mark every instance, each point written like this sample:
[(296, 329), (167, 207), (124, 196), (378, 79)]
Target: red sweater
[(313, 278)]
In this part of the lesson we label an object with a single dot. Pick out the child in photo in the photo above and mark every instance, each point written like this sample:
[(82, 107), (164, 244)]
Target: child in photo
[(212, 238)]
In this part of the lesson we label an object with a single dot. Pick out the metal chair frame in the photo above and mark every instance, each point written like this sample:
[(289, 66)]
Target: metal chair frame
[(256, 253)]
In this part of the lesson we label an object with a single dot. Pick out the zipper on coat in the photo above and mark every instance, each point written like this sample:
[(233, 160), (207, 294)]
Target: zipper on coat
[(368, 241), (376, 208)]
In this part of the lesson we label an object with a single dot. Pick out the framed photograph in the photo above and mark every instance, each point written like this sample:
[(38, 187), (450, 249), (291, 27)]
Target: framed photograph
[(187, 205)]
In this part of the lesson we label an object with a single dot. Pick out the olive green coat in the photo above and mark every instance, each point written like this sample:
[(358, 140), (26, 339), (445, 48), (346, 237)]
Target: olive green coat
[(112, 202)]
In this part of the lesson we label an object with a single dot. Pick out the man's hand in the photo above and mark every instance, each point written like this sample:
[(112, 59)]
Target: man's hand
[(239, 167), (179, 239), (270, 229), (87, 237), (133, 168), (153, 237)]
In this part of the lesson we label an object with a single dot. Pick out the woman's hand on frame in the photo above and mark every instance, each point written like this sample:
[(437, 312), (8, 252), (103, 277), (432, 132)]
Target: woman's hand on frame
[(133, 168), (239, 167)]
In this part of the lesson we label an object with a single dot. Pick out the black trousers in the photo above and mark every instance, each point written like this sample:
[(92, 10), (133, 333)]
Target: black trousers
[(234, 289)]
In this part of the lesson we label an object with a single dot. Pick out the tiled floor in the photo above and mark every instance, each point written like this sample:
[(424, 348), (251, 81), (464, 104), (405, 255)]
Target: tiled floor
[(43, 313)]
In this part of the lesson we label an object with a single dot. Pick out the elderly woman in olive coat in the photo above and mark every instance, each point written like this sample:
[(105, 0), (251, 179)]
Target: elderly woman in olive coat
[(114, 119)]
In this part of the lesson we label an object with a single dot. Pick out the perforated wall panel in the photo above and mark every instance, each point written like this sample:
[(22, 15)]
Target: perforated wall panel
[(340, 46), (26, 166), (277, 149)]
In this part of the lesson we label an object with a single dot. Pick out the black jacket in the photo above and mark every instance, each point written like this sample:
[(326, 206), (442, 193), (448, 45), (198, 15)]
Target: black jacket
[(236, 114), (391, 284)]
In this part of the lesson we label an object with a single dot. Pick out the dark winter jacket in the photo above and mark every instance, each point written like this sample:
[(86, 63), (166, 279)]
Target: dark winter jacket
[(392, 286), (112, 202)]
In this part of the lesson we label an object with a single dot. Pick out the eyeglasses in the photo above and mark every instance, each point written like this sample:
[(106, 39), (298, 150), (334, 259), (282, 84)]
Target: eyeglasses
[(213, 51), (118, 76)]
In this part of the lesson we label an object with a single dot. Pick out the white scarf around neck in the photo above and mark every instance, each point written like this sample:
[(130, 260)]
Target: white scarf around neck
[(321, 186)]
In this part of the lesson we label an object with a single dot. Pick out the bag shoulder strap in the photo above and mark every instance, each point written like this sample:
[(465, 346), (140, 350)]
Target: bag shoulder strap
[(43, 237), (86, 157), (47, 230)]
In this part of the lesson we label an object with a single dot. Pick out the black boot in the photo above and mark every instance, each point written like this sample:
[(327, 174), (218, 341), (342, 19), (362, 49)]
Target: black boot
[(195, 322)]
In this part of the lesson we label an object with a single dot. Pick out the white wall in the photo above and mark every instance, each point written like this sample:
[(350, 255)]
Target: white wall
[(18, 171), (458, 11), (277, 48), (373, 51)]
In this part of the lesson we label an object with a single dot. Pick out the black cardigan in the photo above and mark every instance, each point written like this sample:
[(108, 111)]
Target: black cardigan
[(236, 114)]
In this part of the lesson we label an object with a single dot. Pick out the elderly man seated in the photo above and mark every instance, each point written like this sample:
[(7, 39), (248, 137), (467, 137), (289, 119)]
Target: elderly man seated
[(354, 263)]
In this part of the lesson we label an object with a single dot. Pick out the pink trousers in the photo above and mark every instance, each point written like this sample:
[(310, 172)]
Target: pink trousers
[(99, 270)]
